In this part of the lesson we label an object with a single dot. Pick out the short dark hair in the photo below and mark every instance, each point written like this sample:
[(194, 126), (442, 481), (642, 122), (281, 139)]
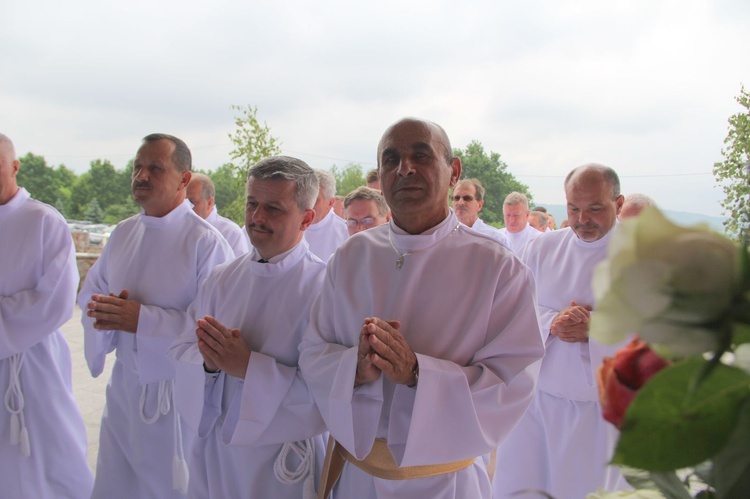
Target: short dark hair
[(181, 156), (372, 176), (478, 187)]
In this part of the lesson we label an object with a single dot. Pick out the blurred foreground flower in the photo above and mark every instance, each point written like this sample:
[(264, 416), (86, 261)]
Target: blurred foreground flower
[(685, 292), (673, 285), (620, 377)]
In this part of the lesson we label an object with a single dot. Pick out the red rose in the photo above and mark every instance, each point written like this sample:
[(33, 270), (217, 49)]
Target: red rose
[(620, 377)]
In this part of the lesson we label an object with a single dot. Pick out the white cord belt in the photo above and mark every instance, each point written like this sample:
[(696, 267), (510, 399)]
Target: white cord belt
[(164, 403), (305, 451), (14, 403)]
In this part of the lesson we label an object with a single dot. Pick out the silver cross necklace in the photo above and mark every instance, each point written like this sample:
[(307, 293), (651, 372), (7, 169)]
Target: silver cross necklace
[(401, 256)]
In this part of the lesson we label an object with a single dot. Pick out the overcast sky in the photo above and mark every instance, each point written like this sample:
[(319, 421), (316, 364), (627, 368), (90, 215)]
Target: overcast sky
[(643, 86)]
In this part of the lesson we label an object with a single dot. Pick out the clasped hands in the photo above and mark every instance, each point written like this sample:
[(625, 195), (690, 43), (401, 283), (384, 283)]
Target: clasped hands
[(114, 312), (222, 348), (571, 324), (383, 350)]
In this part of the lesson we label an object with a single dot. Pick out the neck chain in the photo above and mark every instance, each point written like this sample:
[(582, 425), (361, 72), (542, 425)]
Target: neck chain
[(401, 256)]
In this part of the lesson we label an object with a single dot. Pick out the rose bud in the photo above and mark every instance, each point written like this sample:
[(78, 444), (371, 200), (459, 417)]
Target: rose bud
[(620, 377)]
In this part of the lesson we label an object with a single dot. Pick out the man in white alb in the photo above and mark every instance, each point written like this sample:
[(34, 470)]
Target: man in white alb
[(259, 431), (517, 230), (328, 230), (202, 194), (42, 436), (136, 296), (468, 200), (415, 383), (562, 444)]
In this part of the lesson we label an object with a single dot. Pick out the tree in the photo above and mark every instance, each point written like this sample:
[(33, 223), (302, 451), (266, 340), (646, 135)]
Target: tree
[(230, 193), (498, 182), (252, 141), (348, 178), (103, 183), (94, 212), (733, 172), (41, 180)]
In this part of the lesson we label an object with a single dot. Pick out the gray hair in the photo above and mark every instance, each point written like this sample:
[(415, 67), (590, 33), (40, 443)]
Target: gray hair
[(288, 168), (181, 157), (638, 199), (542, 217), (364, 193), (207, 185), (608, 174), (515, 198), (478, 187), (327, 183)]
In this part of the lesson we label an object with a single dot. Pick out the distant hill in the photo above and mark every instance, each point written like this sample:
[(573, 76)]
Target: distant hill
[(678, 217)]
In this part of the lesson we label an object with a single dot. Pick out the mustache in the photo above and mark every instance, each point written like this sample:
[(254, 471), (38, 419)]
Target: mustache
[(259, 228), (585, 226), (141, 185)]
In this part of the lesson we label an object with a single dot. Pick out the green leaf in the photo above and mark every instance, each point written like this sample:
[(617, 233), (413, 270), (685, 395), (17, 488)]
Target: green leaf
[(667, 428), (740, 333), (731, 471)]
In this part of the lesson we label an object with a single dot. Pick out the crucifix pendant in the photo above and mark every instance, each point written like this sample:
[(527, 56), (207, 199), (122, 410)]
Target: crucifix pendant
[(400, 262)]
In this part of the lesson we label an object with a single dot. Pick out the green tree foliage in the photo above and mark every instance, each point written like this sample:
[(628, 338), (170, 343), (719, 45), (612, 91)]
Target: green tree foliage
[(348, 178), (230, 192), (732, 173), (103, 183), (252, 141), (43, 182), (94, 212), (493, 172), (118, 212)]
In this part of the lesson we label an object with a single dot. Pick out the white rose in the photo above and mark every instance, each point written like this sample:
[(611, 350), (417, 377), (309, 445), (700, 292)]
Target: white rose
[(669, 284)]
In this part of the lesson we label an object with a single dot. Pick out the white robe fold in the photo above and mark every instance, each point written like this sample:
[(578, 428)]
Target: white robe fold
[(38, 281), (483, 228), (476, 350), (161, 262), (243, 423), (563, 444), (233, 233), (518, 241), (326, 236)]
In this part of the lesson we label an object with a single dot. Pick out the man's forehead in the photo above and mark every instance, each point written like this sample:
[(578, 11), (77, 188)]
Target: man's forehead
[(411, 134), (282, 188), (363, 203), (464, 189)]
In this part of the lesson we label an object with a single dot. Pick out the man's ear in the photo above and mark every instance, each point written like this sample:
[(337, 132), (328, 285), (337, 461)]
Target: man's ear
[(185, 180), (307, 219), (455, 170)]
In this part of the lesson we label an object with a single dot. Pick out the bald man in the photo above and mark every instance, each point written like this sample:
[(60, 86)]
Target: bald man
[(202, 194), (44, 453)]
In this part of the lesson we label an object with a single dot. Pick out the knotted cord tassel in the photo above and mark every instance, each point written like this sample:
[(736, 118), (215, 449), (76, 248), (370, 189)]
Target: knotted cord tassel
[(15, 430)]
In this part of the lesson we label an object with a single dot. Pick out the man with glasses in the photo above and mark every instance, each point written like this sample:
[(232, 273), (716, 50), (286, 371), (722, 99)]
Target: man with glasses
[(468, 200), (365, 208)]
